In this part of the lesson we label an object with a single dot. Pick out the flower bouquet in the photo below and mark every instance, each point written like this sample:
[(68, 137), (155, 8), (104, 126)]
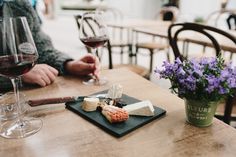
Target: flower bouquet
[(202, 83)]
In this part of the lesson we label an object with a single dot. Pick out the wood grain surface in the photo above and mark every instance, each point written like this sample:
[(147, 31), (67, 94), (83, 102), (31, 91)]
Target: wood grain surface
[(65, 134)]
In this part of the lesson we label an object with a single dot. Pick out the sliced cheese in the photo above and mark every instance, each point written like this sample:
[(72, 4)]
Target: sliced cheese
[(143, 108), (90, 104)]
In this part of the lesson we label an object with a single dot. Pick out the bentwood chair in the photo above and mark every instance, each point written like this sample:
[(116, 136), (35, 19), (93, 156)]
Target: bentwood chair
[(169, 13), (215, 17), (118, 41), (176, 29), (91, 24), (231, 21)]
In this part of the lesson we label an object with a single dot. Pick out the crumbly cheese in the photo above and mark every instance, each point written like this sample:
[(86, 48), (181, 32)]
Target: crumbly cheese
[(90, 104), (143, 108)]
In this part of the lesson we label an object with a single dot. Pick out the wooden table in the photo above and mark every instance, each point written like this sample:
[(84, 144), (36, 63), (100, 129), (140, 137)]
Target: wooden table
[(65, 134)]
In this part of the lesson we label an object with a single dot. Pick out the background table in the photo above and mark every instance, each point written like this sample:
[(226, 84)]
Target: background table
[(67, 134)]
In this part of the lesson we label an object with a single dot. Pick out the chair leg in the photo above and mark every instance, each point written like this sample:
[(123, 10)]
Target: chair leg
[(130, 54), (136, 53), (151, 60), (228, 110), (168, 54), (121, 55)]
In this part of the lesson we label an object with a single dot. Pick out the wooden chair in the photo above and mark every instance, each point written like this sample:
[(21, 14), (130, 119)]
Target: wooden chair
[(173, 33), (135, 68), (152, 47), (214, 17), (230, 19), (169, 13), (119, 40)]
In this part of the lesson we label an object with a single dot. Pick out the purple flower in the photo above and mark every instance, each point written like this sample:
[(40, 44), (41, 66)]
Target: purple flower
[(231, 82), (223, 90), (207, 79), (180, 72)]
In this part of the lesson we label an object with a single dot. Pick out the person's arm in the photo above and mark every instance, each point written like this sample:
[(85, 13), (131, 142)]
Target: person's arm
[(43, 75), (47, 53)]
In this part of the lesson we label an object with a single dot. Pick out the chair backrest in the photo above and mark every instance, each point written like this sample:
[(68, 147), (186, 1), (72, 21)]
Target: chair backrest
[(111, 14), (231, 21), (91, 24), (175, 29), (214, 17), (114, 15), (168, 13)]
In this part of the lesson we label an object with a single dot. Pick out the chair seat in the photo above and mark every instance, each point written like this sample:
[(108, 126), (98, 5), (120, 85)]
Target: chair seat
[(140, 70), (152, 45), (119, 44)]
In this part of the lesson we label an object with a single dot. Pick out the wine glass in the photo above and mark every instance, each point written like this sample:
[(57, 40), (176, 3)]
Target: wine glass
[(93, 33), (18, 55)]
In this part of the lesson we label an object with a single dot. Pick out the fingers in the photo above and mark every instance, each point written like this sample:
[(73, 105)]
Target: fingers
[(53, 70), (94, 61), (41, 74), (40, 82), (88, 64), (87, 68), (48, 74), (89, 58), (45, 76), (51, 74)]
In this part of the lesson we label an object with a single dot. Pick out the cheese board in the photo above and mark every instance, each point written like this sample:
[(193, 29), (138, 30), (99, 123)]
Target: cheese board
[(115, 129)]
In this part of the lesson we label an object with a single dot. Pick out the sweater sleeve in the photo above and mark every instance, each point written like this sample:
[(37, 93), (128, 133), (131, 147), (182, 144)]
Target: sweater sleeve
[(47, 53)]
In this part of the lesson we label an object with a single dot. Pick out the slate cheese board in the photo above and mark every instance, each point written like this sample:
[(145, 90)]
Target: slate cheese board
[(116, 129)]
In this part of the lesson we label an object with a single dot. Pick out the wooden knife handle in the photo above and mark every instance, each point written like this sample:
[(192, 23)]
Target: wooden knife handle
[(38, 102)]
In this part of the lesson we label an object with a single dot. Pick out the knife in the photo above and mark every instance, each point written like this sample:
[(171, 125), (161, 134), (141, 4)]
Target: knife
[(45, 101)]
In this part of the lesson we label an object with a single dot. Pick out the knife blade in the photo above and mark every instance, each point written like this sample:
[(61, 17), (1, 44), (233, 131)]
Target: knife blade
[(45, 101)]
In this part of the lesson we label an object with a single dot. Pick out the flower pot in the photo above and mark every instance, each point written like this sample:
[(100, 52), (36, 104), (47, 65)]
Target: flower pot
[(200, 113)]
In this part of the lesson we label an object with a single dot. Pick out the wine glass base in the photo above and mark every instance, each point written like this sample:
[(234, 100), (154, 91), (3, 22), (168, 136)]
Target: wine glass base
[(14, 130), (92, 81)]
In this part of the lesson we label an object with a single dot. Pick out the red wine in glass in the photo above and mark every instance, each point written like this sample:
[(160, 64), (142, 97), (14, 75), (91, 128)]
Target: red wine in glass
[(93, 34), (94, 42), (18, 55), (10, 68)]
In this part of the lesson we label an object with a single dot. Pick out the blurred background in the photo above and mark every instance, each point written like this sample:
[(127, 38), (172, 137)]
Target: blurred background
[(59, 23)]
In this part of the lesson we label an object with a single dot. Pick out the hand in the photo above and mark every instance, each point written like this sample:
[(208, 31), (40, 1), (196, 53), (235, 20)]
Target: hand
[(88, 64), (41, 74)]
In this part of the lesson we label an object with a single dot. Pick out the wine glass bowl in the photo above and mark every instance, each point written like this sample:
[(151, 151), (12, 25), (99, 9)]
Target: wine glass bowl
[(93, 34), (18, 55)]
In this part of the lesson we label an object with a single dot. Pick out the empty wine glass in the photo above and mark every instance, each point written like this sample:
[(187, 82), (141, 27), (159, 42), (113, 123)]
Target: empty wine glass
[(8, 106), (18, 55), (93, 33)]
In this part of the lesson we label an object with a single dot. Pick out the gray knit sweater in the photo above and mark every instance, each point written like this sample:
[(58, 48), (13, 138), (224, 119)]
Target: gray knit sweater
[(47, 53)]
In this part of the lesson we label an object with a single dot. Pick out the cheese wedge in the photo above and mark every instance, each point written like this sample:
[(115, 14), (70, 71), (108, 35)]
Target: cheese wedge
[(90, 104), (143, 108)]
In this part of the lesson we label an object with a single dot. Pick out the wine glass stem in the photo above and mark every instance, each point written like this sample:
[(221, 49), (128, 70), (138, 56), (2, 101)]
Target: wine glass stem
[(15, 84), (95, 53)]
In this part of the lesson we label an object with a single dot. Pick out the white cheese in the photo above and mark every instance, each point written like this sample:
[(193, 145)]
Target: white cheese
[(143, 108), (90, 104)]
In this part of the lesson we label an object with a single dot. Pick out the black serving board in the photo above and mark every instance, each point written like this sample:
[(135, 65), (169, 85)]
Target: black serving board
[(116, 129)]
